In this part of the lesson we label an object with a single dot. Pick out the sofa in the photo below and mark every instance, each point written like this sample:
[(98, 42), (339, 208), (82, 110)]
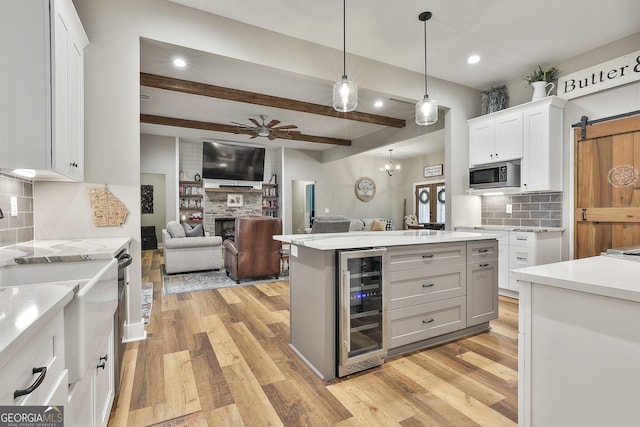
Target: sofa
[(196, 252), (340, 223)]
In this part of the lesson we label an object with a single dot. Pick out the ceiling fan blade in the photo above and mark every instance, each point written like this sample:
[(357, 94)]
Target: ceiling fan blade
[(271, 136), (273, 123), (255, 135), (286, 127), (241, 124), (254, 121)]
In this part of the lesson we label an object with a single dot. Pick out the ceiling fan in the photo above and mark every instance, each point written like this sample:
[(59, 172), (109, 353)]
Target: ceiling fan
[(269, 130)]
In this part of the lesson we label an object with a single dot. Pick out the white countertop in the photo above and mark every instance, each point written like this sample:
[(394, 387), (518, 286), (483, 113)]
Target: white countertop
[(370, 239), (23, 312), (510, 228), (601, 275), (46, 251)]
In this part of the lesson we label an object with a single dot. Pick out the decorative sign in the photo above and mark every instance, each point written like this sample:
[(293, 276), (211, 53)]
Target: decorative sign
[(433, 170), (619, 71), (365, 189), (146, 199)]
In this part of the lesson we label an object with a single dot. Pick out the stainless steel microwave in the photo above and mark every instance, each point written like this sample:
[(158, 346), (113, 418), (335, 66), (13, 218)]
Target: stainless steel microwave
[(495, 175)]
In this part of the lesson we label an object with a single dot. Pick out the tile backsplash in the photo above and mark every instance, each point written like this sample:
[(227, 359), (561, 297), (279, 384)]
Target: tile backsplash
[(528, 210), (16, 229)]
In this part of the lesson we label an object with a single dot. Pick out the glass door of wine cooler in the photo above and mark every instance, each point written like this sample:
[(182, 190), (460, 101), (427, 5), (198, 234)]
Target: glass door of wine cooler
[(361, 337)]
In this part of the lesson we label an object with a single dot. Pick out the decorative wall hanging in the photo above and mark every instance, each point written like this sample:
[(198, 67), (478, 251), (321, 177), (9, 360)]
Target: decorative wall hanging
[(146, 199), (433, 170), (623, 176), (106, 209), (235, 200), (365, 189)]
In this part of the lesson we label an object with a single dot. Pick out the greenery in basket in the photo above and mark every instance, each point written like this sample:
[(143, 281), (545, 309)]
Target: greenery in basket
[(495, 99), (549, 75)]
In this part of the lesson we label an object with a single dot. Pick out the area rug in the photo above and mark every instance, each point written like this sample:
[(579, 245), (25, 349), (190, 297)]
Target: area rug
[(205, 280), (147, 300)]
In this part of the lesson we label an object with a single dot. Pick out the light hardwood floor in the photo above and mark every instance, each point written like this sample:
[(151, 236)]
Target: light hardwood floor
[(223, 356)]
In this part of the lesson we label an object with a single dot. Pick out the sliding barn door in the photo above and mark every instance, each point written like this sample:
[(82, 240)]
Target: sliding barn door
[(607, 187)]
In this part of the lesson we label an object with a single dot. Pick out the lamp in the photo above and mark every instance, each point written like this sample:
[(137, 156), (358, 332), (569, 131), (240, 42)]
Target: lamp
[(345, 92), (389, 168), (426, 109)]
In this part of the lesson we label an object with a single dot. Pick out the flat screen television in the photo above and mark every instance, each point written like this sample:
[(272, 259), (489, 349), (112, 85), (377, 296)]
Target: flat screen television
[(232, 162)]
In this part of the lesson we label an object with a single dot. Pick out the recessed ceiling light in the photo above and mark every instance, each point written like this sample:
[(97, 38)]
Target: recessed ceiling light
[(378, 104), (179, 62), (473, 59)]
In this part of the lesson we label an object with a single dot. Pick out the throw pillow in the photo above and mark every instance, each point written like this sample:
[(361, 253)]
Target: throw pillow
[(356, 225), (175, 229), (196, 231), (379, 225), (187, 227)]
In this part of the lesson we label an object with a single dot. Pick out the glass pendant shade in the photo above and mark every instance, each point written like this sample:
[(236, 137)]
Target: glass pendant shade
[(345, 95), (426, 111)]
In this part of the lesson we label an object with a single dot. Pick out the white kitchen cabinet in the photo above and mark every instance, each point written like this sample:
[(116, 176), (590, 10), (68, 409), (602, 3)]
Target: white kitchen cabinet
[(42, 110), (495, 138), (482, 279), (531, 132), (541, 166), (527, 249), (91, 398), (45, 350)]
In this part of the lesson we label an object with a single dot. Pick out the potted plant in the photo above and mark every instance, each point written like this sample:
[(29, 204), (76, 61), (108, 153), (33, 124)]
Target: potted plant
[(495, 99), (540, 80)]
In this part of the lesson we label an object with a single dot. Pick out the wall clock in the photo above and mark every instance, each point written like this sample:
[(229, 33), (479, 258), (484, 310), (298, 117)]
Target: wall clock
[(365, 189)]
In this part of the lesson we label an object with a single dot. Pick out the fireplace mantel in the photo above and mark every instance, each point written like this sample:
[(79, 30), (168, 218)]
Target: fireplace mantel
[(233, 190)]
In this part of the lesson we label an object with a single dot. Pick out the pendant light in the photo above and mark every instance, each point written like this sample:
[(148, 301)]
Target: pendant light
[(389, 168), (345, 92), (427, 108)]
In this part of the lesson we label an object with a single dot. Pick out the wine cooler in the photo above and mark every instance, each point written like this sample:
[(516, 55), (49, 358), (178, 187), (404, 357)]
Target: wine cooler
[(361, 310)]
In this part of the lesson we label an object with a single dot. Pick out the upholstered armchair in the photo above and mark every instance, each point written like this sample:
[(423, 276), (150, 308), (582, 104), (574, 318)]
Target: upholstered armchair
[(253, 252)]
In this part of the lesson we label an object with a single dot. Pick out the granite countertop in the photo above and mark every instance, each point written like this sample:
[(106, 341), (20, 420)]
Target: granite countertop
[(608, 276), (47, 251), (24, 310), (368, 239), (511, 228)]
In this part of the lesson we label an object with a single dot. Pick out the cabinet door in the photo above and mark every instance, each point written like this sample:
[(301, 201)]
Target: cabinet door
[(68, 93), (509, 137), (103, 380), (482, 142), (482, 292)]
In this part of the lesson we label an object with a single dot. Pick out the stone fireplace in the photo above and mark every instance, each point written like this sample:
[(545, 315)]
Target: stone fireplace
[(220, 218)]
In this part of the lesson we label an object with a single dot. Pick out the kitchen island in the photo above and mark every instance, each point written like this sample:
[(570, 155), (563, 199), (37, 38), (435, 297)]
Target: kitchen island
[(438, 286), (579, 343)]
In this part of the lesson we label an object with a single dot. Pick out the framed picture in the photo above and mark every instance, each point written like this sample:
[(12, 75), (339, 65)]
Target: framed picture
[(235, 200), (433, 170)]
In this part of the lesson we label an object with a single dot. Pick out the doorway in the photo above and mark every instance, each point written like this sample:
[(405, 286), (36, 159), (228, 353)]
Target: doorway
[(303, 200), (607, 187), (430, 203), (154, 213)]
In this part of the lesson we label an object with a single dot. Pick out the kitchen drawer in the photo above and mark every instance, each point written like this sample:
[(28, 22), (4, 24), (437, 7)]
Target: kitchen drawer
[(417, 323), (483, 250), (46, 349), (522, 238), (519, 257), (424, 285), (406, 258)]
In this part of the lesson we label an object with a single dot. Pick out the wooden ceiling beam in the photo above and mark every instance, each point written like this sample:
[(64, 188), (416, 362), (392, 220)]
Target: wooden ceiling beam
[(195, 88), (218, 127)]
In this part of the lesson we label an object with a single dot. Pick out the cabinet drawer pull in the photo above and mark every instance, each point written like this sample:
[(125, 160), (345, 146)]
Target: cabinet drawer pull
[(428, 285), (74, 164), (43, 372), (428, 321), (483, 251), (103, 360), (484, 265), (521, 258), (427, 256), (522, 239)]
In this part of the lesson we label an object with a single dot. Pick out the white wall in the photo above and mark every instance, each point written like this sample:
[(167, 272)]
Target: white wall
[(158, 156)]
